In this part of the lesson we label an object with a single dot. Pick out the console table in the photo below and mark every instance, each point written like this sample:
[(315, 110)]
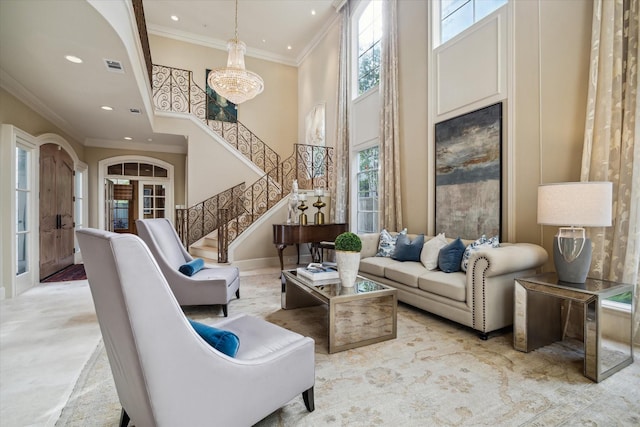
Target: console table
[(539, 321), (294, 234)]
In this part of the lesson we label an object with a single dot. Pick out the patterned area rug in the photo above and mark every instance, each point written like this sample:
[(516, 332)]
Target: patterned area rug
[(435, 373), (71, 273)]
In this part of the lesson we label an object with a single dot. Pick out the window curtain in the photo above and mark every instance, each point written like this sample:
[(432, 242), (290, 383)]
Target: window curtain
[(340, 205), (611, 147), (390, 200)]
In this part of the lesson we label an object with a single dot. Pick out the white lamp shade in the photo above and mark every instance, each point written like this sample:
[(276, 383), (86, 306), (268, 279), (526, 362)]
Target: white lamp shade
[(585, 204)]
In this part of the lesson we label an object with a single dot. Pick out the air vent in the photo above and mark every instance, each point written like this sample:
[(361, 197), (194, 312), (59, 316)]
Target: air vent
[(115, 66), (135, 111)]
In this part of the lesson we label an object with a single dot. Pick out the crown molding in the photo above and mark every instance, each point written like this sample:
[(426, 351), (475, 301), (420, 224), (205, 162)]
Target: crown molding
[(138, 146), (12, 86)]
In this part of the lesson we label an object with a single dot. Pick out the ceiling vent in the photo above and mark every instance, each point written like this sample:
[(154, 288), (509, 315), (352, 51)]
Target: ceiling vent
[(135, 111), (115, 66)]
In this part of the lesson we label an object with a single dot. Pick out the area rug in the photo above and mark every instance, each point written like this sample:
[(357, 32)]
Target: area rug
[(435, 373), (71, 273)]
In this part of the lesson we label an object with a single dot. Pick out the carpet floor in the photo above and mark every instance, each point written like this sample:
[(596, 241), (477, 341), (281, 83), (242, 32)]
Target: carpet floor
[(435, 373)]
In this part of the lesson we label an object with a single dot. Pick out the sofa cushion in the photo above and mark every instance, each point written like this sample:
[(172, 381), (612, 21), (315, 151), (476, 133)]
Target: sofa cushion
[(407, 249), (452, 286), (481, 243), (430, 251), (450, 256), (387, 242), (406, 273), (375, 265)]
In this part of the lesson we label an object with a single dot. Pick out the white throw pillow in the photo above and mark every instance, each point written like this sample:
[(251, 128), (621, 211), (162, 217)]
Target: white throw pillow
[(430, 251)]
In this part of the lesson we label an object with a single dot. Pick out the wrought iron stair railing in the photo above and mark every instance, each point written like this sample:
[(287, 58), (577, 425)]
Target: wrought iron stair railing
[(234, 210), (174, 90)]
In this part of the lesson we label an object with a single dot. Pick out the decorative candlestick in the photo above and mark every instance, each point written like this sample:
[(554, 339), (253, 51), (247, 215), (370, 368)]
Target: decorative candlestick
[(319, 216), (303, 207)]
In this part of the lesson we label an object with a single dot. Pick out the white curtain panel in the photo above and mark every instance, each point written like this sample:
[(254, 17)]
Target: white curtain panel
[(611, 147)]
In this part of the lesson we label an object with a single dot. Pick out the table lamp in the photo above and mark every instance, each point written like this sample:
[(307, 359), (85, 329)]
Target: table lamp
[(572, 206)]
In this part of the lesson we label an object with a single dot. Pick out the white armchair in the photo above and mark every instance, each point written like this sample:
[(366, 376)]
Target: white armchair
[(165, 374), (217, 285)]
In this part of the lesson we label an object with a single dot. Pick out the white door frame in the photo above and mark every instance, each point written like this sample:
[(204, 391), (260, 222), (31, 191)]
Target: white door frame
[(169, 182)]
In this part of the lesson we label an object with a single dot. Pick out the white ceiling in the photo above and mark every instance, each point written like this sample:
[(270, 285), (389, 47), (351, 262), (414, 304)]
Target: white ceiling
[(36, 35), (267, 27)]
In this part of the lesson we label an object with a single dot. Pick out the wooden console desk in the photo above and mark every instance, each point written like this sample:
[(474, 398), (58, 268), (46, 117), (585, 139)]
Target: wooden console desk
[(294, 234)]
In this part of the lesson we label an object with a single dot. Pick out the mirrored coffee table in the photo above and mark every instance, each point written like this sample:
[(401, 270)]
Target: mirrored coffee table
[(358, 316)]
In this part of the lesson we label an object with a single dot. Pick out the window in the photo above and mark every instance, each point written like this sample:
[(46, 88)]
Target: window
[(367, 197), (23, 196), (369, 35), (79, 189), (458, 15), (153, 200)]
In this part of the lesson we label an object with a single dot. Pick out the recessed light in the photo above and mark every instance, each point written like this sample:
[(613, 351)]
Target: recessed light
[(289, 47), (73, 59), (128, 138), (313, 11), (149, 139), (264, 40), (174, 18), (106, 108)]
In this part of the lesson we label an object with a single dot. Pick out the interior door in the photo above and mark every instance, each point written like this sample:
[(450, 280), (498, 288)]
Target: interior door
[(56, 209)]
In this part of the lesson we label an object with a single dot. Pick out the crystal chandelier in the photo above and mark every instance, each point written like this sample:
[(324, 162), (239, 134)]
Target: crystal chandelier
[(234, 82)]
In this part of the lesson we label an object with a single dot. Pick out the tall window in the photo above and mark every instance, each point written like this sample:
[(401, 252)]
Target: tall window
[(458, 15), (23, 227), (369, 35), (367, 179)]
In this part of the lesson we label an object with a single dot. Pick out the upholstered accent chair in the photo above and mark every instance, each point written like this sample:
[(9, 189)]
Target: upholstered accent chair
[(165, 373), (211, 285)]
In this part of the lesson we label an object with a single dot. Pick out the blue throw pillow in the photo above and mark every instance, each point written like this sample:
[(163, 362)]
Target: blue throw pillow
[(224, 341), (450, 256), (192, 267), (407, 250)]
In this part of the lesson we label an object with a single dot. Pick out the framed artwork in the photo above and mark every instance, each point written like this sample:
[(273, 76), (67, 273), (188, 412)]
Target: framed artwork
[(469, 174), (218, 108)]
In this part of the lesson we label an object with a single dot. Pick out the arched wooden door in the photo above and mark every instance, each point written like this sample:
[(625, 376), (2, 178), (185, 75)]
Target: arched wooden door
[(56, 209)]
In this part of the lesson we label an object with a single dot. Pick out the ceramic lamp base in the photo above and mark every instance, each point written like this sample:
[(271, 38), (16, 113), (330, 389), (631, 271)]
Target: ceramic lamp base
[(575, 271)]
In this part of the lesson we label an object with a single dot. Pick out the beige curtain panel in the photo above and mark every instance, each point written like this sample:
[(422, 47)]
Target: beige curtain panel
[(611, 148)]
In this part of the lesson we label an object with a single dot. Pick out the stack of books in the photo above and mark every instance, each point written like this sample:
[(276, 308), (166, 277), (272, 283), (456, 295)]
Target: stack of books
[(317, 271)]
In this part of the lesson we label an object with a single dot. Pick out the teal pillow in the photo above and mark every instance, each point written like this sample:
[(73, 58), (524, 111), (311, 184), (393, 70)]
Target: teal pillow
[(192, 267), (450, 256), (224, 341), (407, 250)]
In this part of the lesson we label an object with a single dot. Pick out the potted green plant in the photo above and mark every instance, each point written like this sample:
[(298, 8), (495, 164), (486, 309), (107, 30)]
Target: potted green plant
[(348, 247)]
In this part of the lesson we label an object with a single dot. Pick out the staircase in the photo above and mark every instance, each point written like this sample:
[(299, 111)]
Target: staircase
[(234, 210)]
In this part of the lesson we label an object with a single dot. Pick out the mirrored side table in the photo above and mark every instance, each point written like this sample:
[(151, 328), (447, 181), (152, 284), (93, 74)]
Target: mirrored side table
[(539, 320)]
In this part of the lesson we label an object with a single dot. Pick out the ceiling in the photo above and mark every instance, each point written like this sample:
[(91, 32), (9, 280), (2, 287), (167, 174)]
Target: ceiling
[(36, 35)]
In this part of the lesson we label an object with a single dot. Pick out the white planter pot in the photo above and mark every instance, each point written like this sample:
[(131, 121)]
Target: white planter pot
[(348, 263)]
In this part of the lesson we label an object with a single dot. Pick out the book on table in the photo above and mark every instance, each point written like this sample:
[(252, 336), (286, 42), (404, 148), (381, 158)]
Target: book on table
[(317, 271)]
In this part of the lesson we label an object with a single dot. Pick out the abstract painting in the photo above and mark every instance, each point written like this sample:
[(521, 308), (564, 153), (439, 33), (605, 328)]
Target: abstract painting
[(468, 174), (218, 108)]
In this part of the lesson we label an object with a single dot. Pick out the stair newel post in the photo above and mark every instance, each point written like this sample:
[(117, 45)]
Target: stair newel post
[(222, 234), (189, 90)]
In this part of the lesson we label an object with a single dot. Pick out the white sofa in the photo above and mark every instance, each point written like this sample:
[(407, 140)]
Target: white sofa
[(481, 298)]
